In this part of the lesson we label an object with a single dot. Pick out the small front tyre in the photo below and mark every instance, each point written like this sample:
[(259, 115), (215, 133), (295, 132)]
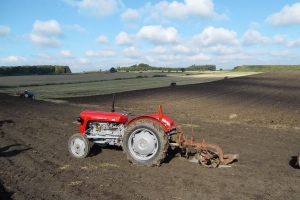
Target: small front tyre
[(79, 146), (145, 143)]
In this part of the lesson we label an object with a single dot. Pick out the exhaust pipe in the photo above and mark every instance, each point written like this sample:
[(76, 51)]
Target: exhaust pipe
[(113, 104)]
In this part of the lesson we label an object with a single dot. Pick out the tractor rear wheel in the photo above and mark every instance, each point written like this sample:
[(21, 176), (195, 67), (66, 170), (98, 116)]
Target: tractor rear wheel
[(145, 143), (79, 146)]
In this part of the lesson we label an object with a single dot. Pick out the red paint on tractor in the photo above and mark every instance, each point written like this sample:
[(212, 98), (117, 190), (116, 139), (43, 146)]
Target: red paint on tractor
[(167, 124), (90, 115)]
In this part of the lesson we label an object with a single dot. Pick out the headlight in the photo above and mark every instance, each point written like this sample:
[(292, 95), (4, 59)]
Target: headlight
[(79, 119)]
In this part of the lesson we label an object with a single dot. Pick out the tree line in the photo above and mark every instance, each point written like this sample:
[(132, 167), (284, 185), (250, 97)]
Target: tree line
[(201, 68), (34, 70), (146, 67), (267, 68)]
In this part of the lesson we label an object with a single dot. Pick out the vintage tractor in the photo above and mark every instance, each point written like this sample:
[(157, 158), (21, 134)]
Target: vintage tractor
[(145, 139), (26, 94)]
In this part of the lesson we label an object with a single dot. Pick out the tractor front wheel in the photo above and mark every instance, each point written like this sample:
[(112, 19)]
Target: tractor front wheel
[(145, 143), (79, 146)]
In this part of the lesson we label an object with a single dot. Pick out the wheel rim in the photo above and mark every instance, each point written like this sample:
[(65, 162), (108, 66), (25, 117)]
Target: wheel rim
[(78, 147), (143, 144), (209, 157)]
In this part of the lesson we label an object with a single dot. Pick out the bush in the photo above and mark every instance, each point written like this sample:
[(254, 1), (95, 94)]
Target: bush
[(113, 70), (159, 75)]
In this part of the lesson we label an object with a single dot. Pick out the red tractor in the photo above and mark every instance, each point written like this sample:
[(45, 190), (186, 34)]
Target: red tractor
[(26, 94), (145, 139)]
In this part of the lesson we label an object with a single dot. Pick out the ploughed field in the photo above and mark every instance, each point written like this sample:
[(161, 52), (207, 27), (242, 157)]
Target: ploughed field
[(257, 117)]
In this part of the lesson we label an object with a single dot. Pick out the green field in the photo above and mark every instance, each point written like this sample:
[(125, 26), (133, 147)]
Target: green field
[(59, 86)]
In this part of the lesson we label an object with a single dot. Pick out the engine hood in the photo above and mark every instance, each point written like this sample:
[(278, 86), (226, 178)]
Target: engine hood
[(88, 115)]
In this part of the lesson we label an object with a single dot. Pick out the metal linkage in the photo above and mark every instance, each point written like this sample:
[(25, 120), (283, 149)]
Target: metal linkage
[(209, 155)]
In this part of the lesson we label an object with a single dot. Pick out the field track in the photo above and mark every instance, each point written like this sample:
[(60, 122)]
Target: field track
[(256, 116)]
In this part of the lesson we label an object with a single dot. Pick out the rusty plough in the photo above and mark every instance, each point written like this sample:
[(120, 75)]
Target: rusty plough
[(208, 155)]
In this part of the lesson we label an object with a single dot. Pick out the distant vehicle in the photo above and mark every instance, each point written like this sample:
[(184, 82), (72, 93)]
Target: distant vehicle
[(173, 84), (26, 94)]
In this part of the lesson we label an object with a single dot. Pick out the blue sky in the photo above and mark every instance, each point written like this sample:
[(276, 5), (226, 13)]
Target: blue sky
[(100, 34)]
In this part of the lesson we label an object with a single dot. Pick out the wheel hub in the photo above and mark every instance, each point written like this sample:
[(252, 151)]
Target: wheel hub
[(144, 143), (78, 147)]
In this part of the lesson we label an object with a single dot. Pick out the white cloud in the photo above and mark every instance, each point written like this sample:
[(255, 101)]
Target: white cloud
[(289, 15), (223, 49), (281, 53), (101, 53), (43, 41), (130, 15), (169, 57), (166, 8), (181, 10), (157, 34), (50, 27), (131, 52), (4, 30), (279, 39), (293, 43), (66, 54), (123, 39), (235, 57), (155, 16), (102, 39), (252, 37), (44, 33), (181, 49), (211, 36), (178, 10), (198, 57), (149, 59), (76, 27), (82, 60), (90, 53), (158, 50), (13, 59), (96, 8)]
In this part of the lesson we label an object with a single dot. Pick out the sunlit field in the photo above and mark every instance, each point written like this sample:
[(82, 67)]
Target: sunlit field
[(58, 86)]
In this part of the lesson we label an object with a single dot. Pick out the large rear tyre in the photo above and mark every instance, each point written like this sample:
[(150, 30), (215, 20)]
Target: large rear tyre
[(145, 143), (79, 146)]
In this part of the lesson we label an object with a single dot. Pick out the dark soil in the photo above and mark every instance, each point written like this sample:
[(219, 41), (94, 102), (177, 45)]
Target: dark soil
[(257, 117)]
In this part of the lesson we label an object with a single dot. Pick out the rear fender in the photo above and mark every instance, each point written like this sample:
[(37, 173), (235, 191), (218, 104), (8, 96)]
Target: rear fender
[(165, 126)]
